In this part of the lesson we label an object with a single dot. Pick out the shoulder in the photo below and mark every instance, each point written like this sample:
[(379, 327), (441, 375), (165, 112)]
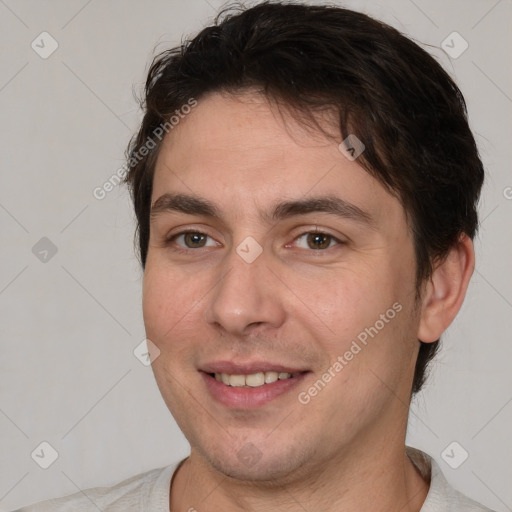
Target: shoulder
[(441, 497), (135, 493), (446, 497)]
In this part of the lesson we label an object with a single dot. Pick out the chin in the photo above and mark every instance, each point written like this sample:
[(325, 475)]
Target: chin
[(269, 464)]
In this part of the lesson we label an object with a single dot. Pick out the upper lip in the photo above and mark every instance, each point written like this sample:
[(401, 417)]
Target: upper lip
[(247, 368)]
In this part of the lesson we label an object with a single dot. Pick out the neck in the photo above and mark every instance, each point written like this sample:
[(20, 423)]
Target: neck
[(379, 478)]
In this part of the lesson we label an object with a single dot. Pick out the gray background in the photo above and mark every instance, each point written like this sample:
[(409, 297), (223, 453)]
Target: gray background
[(69, 325)]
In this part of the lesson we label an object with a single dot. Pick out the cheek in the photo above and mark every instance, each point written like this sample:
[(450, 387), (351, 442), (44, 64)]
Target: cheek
[(381, 340), (347, 301), (365, 315), (169, 298)]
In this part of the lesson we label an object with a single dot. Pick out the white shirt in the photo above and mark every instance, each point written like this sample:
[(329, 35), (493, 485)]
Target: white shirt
[(150, 492)]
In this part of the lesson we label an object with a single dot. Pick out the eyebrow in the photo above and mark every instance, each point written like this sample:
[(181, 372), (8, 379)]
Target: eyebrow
[(195, 205)]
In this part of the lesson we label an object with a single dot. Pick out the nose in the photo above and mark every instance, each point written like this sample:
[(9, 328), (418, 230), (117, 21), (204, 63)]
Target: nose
[(247, 297)]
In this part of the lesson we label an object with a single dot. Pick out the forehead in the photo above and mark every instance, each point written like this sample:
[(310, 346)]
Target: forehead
[(241, 151), (242, 122)]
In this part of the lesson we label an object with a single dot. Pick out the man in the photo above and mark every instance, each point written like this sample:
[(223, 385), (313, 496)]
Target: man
[(305, 184)]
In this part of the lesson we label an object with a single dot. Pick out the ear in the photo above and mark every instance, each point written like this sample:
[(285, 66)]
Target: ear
[(444, 293)]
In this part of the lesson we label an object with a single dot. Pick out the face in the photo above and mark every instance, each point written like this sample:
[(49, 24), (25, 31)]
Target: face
[(279, 289)]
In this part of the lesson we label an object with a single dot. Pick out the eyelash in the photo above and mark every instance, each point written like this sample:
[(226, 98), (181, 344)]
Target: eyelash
[(171, 240)]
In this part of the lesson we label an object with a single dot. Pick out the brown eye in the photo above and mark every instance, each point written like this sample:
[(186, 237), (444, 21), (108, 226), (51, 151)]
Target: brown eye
[(316, 240), (319, 240), (194, 240), (191, 240)]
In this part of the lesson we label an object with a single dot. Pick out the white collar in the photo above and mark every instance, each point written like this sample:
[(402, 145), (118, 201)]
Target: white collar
[(441, 497)]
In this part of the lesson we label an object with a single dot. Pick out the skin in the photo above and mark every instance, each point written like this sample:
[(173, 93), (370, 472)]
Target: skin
[(294, 305)]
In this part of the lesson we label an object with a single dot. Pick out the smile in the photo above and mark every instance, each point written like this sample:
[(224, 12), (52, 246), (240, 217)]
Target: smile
[(245, 391), (253, 380)]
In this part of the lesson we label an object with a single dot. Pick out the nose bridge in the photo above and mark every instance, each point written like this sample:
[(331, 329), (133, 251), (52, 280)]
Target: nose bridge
[(243, 296)]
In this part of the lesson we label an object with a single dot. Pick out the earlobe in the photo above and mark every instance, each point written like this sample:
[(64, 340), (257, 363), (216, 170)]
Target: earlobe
[(444, 293)]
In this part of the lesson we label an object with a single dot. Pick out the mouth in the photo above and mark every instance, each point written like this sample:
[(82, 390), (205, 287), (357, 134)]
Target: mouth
[(253, 380), (249, 386)]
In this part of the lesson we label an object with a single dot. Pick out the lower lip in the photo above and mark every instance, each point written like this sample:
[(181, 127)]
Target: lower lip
[(247, 397)]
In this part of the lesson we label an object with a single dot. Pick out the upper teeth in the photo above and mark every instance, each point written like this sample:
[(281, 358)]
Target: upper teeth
[(253, 380)]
